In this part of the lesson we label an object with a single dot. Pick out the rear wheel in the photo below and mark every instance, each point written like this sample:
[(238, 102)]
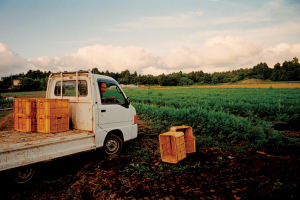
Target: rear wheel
[(26, 175), (113, 145)]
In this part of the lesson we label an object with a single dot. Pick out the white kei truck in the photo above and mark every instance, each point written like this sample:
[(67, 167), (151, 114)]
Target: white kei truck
[(93, 124)]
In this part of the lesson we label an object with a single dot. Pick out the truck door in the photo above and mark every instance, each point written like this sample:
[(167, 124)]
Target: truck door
[(113, 111)]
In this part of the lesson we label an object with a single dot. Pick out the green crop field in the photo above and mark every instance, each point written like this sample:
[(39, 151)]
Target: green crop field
[(6, 103), (224, 117)]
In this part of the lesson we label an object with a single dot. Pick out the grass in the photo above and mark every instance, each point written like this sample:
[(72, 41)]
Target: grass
[(3, 114), (22, 93)]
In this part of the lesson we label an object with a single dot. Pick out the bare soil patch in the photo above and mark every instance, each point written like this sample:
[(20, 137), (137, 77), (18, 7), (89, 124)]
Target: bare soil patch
[(7, 122), (253, 80)]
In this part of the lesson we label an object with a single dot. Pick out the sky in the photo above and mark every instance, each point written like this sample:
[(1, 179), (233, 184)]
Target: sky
[(147, 36)]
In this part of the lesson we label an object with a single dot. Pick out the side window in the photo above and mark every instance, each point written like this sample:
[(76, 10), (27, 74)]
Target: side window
[(110, 93), (69, 88)]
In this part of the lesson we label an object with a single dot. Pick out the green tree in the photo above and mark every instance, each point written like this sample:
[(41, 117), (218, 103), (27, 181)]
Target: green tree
[(186, 81)]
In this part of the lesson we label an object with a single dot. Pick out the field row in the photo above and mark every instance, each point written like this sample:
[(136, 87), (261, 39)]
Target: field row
[(224, 115), (281, 106)]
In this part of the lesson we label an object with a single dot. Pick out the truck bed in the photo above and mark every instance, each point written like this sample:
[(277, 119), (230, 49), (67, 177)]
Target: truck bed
[(19, 149), (8, 138)]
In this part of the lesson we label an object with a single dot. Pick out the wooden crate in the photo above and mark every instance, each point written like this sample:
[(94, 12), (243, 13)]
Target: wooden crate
[(52, 124), (52, 107), (172, 147), (25, 107), (25, 123), (190, 140)]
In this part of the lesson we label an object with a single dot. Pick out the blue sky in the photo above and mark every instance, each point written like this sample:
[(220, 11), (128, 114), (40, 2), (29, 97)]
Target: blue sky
[(150, 37)]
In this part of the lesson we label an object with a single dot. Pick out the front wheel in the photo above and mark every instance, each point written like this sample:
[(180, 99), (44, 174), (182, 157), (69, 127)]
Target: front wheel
[(113, 145)]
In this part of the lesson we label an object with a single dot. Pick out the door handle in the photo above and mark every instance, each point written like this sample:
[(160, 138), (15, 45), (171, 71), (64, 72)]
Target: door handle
[(103, 110)]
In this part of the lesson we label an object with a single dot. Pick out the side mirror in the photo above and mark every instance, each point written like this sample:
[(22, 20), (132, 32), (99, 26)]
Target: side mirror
[(127, 102)]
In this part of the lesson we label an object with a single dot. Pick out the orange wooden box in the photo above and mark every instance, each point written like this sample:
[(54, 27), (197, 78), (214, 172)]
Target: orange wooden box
[(25, 107), (190, 140), (52, 107), (52, 124), (172, 147), (25, 123)]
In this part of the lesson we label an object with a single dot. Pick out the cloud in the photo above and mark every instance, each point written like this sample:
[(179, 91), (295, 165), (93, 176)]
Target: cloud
[(103, 57), (11, 63), (278, 53), (194, 19), (260, 35), (226, 20), (82, 41), (216, 50), (114, 59), (190, 19), (221, 53)]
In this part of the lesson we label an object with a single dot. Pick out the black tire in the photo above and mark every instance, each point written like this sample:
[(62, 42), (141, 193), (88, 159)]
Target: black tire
[(112, 145), (25, 176)]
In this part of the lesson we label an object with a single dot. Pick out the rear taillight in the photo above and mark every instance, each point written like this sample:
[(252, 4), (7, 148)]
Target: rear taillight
[(135, 119)]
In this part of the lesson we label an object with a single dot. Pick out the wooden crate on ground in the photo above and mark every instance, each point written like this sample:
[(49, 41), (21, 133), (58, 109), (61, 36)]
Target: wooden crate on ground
[(172, 147), (190, 140)]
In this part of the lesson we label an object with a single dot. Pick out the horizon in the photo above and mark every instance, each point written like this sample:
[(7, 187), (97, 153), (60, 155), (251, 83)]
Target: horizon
[(150, 37)]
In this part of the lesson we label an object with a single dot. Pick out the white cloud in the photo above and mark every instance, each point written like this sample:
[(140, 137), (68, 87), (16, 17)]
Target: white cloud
[(260, 35), (11, 63), (103, 57), (278, 53), (217, 50), (221, 53)]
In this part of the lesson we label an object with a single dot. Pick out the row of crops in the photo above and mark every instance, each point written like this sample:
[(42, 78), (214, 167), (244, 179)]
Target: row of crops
[(6, 103), (224, 115)]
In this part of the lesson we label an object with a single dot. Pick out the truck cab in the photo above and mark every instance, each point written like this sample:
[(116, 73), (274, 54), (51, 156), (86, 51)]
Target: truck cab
[(90, 110)]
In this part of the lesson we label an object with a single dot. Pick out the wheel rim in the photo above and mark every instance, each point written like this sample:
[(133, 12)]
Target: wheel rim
[(112, 146), (23, 175)]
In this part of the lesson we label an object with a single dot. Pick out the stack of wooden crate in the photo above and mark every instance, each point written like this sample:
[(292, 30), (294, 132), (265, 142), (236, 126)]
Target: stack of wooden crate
[(25, 115), (41, 115), (52, 115)]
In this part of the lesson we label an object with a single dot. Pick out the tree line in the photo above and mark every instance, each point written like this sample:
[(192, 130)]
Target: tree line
[(288, 71), (33, 80)]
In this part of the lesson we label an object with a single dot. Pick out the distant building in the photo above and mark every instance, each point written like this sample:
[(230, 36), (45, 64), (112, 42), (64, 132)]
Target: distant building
[(128, 86), (16, 82)]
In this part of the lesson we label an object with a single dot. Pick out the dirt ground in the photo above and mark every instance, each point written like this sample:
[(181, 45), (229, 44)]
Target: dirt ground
[(7, 122), (91, 175)]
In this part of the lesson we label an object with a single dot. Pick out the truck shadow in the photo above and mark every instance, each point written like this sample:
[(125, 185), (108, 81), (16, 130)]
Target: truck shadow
[(54, 175)]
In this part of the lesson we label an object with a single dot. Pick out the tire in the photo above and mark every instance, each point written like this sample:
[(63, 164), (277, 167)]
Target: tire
[(112, 145), (25, 176)]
